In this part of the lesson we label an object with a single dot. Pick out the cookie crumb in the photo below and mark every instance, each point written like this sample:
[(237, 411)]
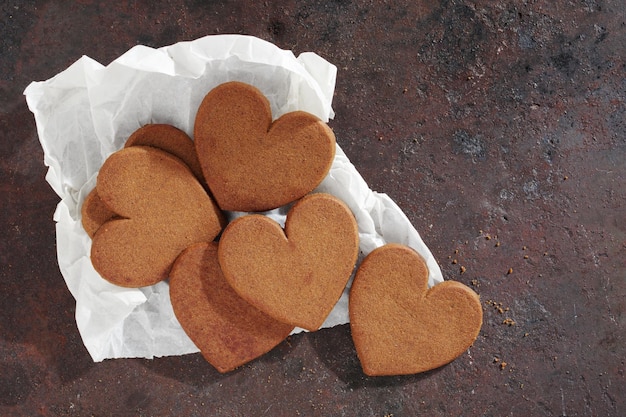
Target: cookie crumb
[(497, 244), (497, 306), (454, 261), (509, 322), (463, 269), (510, 271)]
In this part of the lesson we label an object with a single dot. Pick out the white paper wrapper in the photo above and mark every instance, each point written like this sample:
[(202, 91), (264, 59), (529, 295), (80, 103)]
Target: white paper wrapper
[(86, 112)]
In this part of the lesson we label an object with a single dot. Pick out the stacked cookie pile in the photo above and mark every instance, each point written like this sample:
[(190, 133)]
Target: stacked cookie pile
[(238, 289)]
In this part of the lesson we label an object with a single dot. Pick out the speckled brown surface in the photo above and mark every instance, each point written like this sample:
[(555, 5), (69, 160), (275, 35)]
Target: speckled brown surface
[(498, 126)]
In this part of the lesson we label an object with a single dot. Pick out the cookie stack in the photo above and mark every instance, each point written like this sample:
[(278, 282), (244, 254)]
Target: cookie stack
[(238, 289)]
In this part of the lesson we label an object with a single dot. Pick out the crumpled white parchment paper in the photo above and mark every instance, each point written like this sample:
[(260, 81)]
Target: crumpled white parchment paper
[(86, 112)]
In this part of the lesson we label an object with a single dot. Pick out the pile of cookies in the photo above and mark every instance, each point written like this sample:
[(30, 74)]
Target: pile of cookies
[(158, 212)]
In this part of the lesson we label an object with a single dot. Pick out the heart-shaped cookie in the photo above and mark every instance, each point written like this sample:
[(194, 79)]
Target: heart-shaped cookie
[(251, 163), (162, 136), (170, 139), (228, 331), (398, 325), (164, 210), (296, 275)]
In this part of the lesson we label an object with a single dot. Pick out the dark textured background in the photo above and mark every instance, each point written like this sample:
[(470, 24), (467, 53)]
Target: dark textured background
[(498, 127)]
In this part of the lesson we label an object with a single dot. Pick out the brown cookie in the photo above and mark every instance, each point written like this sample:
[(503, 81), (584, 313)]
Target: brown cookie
[(94, 213), (398, 325), (296, 275), (228, 331), (252, 164), (164, 210), (162, 136), (170, 139)]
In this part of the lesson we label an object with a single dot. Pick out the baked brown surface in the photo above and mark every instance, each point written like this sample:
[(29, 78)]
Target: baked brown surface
[(94, 213), (164, 210), (170, 139), (228, 331), (165, 137), (296, 275), (398, 325), (252, 164)]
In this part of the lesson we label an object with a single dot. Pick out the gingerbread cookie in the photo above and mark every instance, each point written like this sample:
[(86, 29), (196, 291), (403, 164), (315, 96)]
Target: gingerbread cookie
[(162, 136), (164, 210), (251, 163), (398, 325), (228, 331), (296, 275), (170, 139)]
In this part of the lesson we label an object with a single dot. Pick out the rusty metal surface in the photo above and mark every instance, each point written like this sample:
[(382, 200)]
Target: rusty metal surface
[(499, 128)]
